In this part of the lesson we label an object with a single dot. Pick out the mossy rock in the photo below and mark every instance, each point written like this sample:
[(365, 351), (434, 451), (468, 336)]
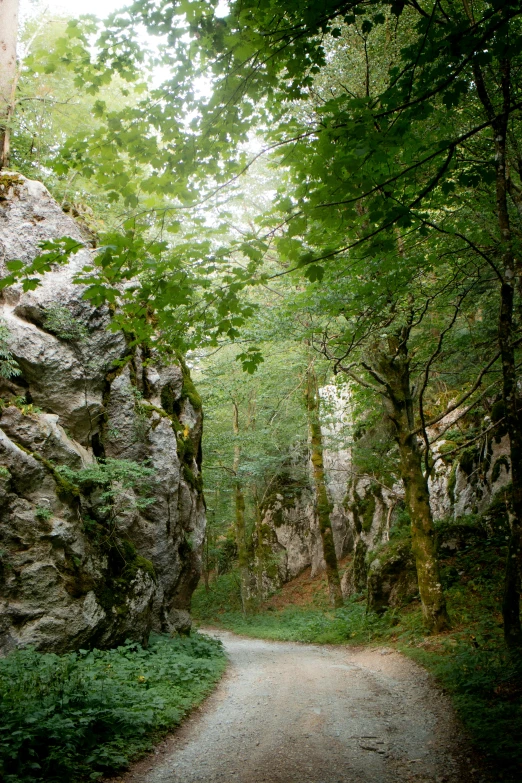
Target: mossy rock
[(196, 482), (169, 401), (475, 529), (277, 516), (367, 511), (359, 566), (188, 390), (452, 483), (501, 461), (498, 412), (65, 490), (468, 459), (364, 510), (455, 535), (140, 564), (124, 563), (286, 490), (392, 578), (8, 180), (496, 516)]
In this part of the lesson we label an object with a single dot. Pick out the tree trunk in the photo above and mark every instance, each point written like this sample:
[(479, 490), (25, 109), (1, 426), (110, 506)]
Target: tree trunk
[(513, 576), (394, 373), (260, 550), (206, 567), (8, 36), (323, 504), (499, 125), (242, 550)]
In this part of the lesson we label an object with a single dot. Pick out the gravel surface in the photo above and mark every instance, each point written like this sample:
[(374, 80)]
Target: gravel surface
[(293, 713)]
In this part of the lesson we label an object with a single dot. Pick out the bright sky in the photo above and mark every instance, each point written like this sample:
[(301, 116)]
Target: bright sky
[(100, 8)]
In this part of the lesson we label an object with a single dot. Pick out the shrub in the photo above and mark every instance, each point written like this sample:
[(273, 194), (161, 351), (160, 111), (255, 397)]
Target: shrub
[(113, 477), (85, 714)]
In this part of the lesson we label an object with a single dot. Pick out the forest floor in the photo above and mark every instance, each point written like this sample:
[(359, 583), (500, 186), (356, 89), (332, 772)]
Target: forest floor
[(294, 713)]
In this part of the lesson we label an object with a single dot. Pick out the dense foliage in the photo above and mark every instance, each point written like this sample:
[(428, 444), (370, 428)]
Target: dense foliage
[(85, 714)]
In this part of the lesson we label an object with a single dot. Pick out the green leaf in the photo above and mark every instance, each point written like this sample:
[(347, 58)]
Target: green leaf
[(314, 273), (15, 266)]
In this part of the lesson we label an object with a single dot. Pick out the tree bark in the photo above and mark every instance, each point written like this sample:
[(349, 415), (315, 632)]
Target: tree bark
[(323, 504), (513, 576), (8, 37), (260, 549), (506, 333), (240, 529), (393, 371)]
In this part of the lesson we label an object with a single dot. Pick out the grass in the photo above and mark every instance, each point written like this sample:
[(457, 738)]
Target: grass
[(80, 716), (470, 662)]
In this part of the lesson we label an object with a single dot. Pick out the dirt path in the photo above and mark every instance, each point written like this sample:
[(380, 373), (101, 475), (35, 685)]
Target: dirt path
[(291, 713)]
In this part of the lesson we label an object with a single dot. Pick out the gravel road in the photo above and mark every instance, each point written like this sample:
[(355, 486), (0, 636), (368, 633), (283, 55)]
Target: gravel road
[(293, 713)]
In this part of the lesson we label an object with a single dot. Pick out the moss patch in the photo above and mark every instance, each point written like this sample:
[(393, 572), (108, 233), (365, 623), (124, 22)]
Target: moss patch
[(196, 482), (364, 509), (495, 474), (65, 489), (8, 181), (467, 460), (189, 391)]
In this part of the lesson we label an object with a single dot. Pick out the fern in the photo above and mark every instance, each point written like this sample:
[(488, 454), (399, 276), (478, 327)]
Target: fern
[(8, 365)]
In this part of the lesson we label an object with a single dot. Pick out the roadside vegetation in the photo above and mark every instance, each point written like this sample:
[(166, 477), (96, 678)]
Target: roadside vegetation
[(86, 714)]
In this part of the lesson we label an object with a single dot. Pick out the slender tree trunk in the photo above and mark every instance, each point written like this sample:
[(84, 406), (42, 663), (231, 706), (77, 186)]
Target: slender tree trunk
[(260, 549), (242, 550), (506, 331), (206, 569), (422, 534), (8, 36), (393, 371), (323, 504), (513, 577)]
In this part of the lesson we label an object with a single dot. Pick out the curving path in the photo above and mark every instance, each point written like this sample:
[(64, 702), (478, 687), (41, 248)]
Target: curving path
[(292, 713)]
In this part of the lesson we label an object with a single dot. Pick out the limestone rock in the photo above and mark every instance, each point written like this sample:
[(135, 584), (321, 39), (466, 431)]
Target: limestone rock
[(73, 571), (291, 540)]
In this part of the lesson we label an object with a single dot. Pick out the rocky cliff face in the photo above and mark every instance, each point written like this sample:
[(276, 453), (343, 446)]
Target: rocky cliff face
[(364, 511), (101, 512), (291, 536)]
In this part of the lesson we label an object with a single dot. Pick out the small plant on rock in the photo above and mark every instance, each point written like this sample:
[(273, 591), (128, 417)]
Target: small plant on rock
[(8, 365), (61, 322), (43, 513), (120, 485)]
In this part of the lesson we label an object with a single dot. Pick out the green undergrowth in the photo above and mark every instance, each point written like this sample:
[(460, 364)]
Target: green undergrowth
[(350, 624), (485, 685), (82, 715), (470, 662)]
